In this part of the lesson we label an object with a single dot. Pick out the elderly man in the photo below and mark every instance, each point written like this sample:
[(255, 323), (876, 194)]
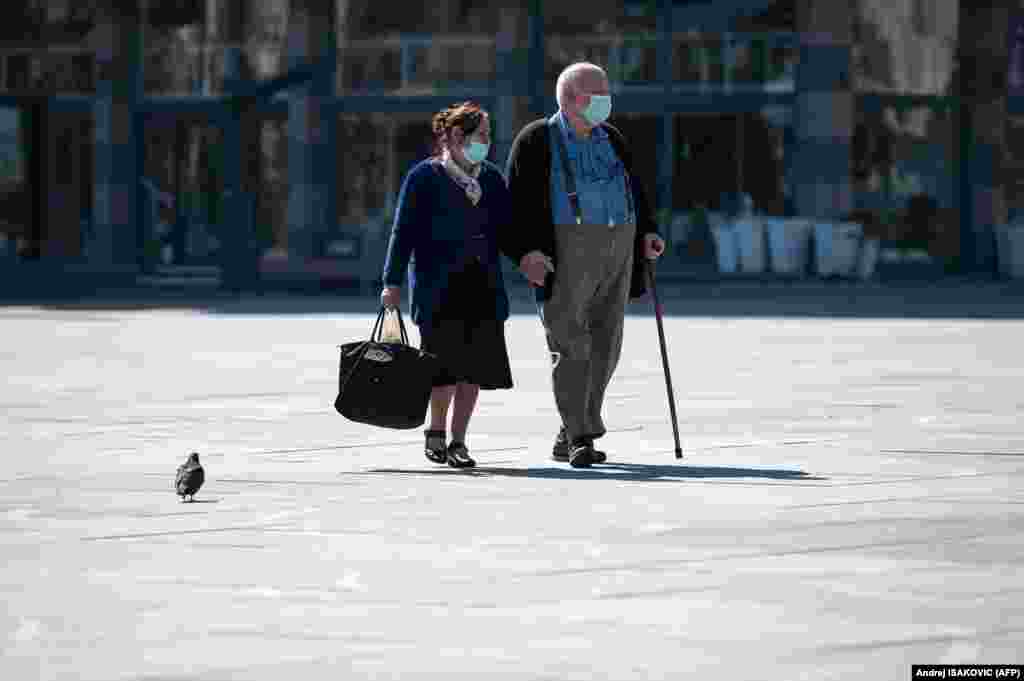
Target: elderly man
[(583, 230)]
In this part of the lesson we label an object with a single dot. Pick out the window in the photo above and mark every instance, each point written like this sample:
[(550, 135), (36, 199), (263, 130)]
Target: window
[(718, 157), (905, 47), (425, 48), (16, 229), (735, 46), (621, 37), (375, 151), (924, 17), (904, 174), (188, 43), (1014, 168)]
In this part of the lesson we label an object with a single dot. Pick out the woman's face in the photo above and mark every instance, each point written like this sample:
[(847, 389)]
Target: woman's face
[(459, 139)]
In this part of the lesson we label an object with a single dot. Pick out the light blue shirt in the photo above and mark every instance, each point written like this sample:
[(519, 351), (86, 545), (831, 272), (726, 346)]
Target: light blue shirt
[(600, 179)]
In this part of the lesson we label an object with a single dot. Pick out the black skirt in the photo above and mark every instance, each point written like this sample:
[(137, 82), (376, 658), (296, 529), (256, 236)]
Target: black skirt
[(465, 336)]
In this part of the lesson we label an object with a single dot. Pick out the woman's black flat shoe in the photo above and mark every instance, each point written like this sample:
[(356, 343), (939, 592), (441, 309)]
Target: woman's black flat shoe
[(434, 448), (458, 456)]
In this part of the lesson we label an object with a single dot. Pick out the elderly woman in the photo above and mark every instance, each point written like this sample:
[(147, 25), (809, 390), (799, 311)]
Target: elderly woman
[(450, 223)]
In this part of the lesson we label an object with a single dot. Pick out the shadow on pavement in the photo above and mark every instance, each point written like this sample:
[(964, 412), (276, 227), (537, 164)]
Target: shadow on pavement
[(945, 299), (617, 472)]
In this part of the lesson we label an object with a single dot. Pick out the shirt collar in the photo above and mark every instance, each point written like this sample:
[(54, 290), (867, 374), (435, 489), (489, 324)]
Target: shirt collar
[(597, 133)]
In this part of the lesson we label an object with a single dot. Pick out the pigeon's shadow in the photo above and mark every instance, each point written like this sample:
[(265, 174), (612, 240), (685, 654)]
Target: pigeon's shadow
[(202, 501), (619, 471)]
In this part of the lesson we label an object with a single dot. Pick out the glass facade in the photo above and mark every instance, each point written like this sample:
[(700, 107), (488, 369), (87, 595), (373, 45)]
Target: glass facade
[(1015, 167), (425, 48), (43, 47), (621, 36), (723, 47), (272, 184), (375, 151), (16, 204), (717, 158), (905, 171), (69, 176), (705, 91), (191, 52), (182, 188)]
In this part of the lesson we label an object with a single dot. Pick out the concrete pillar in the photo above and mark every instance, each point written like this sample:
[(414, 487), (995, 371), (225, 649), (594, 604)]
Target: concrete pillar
[(823, 110), (510, 78), (541, 101), (311, 168), (118, 42), (238, 257), (982, 80), (667, 147)]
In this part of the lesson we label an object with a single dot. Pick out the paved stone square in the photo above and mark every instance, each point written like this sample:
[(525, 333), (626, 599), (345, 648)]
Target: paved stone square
[(849, 502)]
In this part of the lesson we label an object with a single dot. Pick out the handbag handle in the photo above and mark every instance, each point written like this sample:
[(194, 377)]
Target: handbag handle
[(378, 328), (374, 333)]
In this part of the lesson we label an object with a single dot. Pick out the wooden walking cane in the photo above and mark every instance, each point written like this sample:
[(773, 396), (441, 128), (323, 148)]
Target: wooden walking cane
[(664, 356)]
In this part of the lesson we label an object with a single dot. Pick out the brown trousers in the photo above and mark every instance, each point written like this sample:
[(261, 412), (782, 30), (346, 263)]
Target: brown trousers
[(584, 317)]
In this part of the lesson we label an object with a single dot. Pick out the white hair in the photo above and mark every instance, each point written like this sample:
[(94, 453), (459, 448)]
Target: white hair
[(569, 76)]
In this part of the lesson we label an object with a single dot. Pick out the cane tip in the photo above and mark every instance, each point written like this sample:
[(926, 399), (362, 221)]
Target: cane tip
[(679, 453)]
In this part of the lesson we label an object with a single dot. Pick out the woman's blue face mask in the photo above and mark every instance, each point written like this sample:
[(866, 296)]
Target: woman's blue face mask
[(475, 151)]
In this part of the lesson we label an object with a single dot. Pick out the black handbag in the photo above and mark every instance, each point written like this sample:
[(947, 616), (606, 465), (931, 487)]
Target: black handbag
[(385, 384)]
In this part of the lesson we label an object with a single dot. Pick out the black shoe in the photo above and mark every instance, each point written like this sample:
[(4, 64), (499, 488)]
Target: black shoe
[(458, 456), (581, 455), (560, 452), (435, 448)]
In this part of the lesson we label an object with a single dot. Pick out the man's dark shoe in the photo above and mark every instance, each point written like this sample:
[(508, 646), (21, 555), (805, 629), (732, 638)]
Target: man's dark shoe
[(458, 456), (581, 455), (560, 452)]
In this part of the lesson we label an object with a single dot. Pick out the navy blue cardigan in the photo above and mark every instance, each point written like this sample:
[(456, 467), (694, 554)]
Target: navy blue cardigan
[(433, 219)]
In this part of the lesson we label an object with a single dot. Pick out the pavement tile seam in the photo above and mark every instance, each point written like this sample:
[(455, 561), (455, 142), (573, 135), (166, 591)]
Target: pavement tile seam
[(857, 586)]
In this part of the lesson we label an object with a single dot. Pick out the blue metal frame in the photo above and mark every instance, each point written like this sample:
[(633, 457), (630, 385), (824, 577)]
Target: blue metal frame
[(662, 97)]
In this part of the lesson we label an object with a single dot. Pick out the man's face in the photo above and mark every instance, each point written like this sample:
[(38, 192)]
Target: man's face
[(587, 84)]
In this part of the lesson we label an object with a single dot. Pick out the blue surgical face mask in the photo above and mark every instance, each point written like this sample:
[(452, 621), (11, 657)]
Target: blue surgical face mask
[(598, 110), (475, 152)]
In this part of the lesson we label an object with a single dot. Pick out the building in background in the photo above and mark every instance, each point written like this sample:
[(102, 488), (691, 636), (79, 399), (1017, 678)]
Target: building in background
[(122, 152)]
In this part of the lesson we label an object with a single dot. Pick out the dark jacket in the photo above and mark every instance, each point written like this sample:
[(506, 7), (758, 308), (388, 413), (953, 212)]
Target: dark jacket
[(529, 179), (433, 219)]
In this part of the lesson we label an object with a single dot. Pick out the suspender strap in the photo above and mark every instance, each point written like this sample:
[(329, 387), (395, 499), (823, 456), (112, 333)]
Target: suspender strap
[(570, 179)]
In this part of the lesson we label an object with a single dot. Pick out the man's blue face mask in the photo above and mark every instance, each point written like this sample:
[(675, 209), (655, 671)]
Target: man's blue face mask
[(598, 110)]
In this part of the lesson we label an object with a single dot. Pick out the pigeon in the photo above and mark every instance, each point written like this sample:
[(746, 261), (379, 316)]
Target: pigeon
[(190, 477)]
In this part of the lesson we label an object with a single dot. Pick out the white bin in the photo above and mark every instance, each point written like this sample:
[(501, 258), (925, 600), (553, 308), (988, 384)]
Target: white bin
[(789, 241), (869, 252), (836, 246), (726, 246), (1011, 250), (750, 238)]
